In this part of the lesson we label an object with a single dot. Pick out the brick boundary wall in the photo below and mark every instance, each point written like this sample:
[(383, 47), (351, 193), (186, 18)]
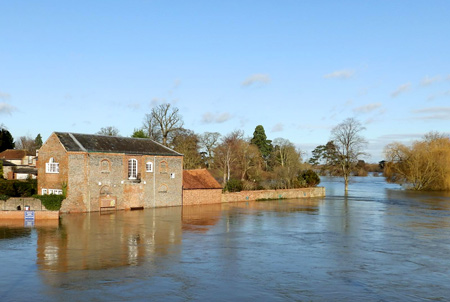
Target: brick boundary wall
[(202, 196), (273, 194), (8, 209), (38, 215)]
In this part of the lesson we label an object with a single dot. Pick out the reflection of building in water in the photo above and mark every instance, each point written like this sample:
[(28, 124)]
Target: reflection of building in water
[(94, 241), (201, 217)]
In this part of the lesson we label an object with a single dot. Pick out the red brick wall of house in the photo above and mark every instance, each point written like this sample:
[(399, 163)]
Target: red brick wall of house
[(52, 148), (202, 196)]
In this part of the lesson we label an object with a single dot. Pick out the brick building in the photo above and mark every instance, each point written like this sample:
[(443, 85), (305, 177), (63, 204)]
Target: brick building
[(109, 172), (200, 187), (18, 164)]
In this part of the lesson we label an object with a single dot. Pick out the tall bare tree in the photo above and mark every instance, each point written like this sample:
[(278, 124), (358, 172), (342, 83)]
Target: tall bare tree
[(151, 129), (349, 146), (26, 143), (208, 141), (167, 120)]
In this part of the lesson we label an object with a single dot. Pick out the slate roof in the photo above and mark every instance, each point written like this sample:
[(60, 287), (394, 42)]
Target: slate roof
[(112, 144), (199, 179), (14, 154)]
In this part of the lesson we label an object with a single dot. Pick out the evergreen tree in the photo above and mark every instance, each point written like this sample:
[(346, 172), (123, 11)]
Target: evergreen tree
[(6, 140), (260, 140), (38, 141)]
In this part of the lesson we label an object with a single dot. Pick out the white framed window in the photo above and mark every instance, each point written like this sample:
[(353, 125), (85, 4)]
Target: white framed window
[(172, 175), (55, 191), (132, 168), (44, 192), (149, 166), (52, 166)]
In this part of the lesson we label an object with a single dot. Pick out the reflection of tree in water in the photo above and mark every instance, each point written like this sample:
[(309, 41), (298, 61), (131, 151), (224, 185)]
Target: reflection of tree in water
[(11, 233)]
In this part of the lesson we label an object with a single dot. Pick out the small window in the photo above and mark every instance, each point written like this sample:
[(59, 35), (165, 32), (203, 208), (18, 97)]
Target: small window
[(172, 175), (52, 166), (132, 168), (163, 188), (44, 191), (163, 167), (54, 191), (149, 166), (104, 165)]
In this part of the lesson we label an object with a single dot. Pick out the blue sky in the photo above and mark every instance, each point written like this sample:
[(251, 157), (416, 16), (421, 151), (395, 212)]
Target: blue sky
[(296, 67)]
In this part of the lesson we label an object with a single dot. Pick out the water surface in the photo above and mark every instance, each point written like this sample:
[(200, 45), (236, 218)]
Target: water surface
[(379, 243)]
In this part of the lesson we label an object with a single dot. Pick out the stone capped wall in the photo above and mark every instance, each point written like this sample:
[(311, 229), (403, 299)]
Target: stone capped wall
[(273, 194)]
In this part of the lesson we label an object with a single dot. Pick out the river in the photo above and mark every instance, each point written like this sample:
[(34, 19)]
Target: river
[(378, 243)]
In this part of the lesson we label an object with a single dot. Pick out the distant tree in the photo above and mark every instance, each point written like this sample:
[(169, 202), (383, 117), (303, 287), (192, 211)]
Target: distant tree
[(225, 155), (167, 120), (109, 131), (349, 146), (151, 128), (26, 143), (425, 165), (326, 158), (139, 133), (6, 139), (38, 141), (287, 163), (260, 140), (1, 169), (208, 141), (186, 142)]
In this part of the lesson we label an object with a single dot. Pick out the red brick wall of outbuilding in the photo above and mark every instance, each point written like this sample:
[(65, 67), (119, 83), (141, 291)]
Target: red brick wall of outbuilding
[(202, 196)]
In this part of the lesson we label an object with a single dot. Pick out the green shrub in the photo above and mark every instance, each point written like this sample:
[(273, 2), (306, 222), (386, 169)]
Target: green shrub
[(18, 188), (310, 178), (51, 202), (4, 197), (234, 185)]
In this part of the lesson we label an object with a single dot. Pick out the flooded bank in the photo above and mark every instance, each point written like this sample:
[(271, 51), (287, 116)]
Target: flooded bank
[(379, 243)]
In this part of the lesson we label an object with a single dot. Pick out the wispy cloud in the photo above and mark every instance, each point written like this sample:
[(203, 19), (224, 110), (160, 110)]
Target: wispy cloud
[(278, 127), (340, 74), (256, 79), (433, 113), (211, 118), (426, 81), (4, 96), (438, 95), (367, 108), (134, 106), (401, 89), (6, 108)]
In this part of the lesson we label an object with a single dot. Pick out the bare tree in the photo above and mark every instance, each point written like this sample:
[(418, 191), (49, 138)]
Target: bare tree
[(225, 153), (26, 143), (109, 131), (349, 145), (167, 120), (209, 141), (150, 126)]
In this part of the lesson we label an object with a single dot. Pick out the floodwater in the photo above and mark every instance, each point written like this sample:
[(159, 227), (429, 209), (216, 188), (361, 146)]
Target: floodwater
[(379, 243)]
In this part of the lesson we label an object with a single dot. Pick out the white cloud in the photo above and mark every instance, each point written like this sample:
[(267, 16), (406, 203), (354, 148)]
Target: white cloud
[(401, 89), (367, 108), (428, 81), (259, 78), (438, 95), (278, 127), (4, 96), (210, 118), (433, 113), (340, 74), (6, 108)]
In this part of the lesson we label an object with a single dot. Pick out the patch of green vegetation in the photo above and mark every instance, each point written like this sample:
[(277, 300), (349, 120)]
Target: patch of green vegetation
[(51, 202)]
